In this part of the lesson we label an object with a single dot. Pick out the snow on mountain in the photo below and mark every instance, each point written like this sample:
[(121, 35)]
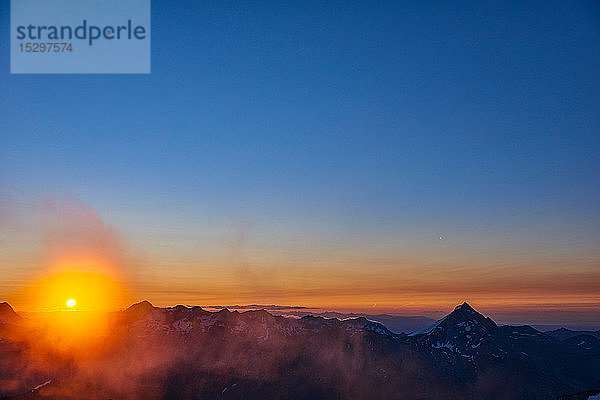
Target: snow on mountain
[(464, 332), (145, 319)]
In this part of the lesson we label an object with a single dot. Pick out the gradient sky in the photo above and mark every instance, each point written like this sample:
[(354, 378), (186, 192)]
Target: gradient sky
[(390, 156)]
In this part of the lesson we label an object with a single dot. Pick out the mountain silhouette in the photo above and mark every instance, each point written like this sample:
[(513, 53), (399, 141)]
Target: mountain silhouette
[(7, 314), (189, 353)]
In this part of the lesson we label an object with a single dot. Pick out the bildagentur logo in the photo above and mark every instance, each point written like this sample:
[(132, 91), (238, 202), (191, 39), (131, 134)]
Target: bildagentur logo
[(85, 31), (80, 36)]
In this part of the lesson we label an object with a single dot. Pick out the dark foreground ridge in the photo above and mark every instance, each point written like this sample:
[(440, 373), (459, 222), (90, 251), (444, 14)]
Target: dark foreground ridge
[(190, 353)]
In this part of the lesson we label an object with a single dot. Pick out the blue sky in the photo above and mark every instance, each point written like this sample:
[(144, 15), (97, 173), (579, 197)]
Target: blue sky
[(354, 123)]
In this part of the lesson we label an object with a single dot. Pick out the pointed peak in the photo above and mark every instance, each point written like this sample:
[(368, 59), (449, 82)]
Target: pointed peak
[(139, 310), (141, 304), (465, 307), (465, 312), (464, 319)]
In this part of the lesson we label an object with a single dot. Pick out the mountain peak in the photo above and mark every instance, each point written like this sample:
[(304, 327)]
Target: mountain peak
[(7, 314), (143, 303), (139, 310), (465, 317), (465, 312), (465, 307)]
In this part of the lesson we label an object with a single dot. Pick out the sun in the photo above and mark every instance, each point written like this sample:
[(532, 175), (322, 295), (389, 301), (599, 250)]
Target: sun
[(90, 291), (71, 303)]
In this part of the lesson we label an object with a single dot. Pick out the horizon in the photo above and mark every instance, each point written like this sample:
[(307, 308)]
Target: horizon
[(299, 311)]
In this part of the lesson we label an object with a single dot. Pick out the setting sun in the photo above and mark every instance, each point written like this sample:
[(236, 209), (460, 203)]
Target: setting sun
[(90, 294), (87, 291)]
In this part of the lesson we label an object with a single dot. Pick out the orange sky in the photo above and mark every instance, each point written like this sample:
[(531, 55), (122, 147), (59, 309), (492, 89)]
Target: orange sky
[(57, 237)]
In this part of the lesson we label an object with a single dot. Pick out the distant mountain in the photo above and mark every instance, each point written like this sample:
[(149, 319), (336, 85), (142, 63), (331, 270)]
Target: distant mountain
[(583, 341), (395, 323), (190, 353), (563, 333), (574, 327)]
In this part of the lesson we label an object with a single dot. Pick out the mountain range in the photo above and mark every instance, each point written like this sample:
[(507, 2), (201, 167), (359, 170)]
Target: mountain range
[(190, 353), (395, 323)]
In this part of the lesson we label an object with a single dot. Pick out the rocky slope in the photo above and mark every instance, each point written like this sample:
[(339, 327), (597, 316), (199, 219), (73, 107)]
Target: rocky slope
[(190, 353)]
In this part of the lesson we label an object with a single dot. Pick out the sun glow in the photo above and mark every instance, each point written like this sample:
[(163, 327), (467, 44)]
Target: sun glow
[(87, 291), (80, 324)]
